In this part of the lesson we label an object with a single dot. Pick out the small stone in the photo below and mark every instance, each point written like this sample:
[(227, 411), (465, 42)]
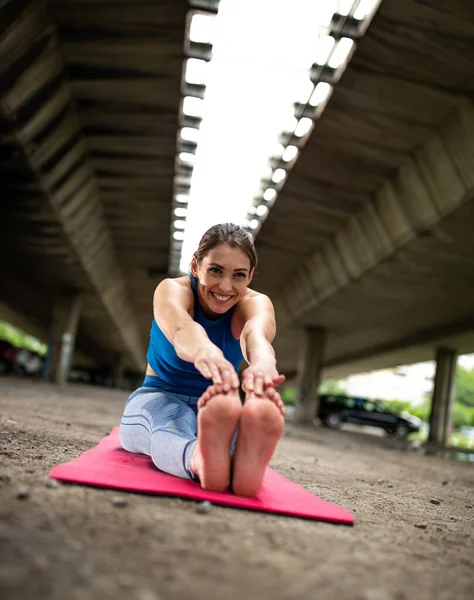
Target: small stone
[(435, 501), (125, 580), (390, 485), (147, 595), (52, 483), (376, 594), (445, 482), (119, 502), (22, 493), (204, 508), (47, 524), (468, 505), (41, 562), (421, 525), (68, 424), (5, 477), (77, 545)]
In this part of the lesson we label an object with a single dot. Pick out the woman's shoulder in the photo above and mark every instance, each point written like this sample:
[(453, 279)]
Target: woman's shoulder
[(251, 294), (184, 281), (252, 297), (175, 290), (173, 283)]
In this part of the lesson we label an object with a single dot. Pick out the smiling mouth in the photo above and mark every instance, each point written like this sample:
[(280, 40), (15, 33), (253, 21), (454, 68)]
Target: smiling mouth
[(219, 298)]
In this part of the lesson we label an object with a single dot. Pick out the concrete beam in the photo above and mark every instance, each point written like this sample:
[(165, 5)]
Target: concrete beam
[(428, 186), (48, 131)]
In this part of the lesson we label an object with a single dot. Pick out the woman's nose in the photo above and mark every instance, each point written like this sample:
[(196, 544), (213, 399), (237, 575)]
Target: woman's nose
[(226, 285)]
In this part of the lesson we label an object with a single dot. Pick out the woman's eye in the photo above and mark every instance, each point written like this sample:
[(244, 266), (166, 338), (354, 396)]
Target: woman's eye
[(214, 270), (240, 274)]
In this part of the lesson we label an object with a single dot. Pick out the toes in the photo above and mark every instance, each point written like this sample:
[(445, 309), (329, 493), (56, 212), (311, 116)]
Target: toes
[(275, 397)]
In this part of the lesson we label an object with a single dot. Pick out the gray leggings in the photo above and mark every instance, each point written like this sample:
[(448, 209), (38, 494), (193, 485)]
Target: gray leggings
[(162, 425)]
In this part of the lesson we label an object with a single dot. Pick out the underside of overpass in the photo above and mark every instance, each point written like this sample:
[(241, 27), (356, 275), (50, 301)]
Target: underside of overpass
[(370, 238)]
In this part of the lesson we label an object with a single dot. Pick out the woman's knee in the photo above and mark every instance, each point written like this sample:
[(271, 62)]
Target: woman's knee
[(134, 437), (125, 437)]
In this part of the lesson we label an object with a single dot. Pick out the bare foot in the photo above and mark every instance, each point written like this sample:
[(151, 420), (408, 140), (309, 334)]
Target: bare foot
[(261, 425), (218, 418)]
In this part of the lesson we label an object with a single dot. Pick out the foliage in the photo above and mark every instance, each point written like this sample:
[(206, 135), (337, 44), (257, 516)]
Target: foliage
[(463, 416), (398, 406), (332, 386), (288, 395), (464, 391), (459, 440), (20, 339)]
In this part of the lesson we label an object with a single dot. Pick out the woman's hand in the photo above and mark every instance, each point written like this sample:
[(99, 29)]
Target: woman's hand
[(261, 375), (212, 365)]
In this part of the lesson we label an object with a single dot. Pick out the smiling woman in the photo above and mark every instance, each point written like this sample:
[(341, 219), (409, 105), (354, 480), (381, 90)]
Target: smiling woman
[(187, 415)]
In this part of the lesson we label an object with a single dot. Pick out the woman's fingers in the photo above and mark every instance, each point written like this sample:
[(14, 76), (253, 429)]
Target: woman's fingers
[(278, 380), (227, 379), (248, 381), (258, 384), (221, 373), (235, 380), (268, 381), (215, 373), (204, 370)]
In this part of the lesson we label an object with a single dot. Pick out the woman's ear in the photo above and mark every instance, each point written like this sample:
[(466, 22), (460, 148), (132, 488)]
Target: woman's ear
[(194, 270)]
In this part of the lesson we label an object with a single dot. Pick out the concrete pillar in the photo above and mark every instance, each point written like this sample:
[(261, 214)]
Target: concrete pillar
[(309, 374), (443, 397), (62, 338)]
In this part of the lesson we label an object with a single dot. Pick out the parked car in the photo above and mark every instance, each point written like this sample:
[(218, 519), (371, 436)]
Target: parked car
[(8, 354), (28, 363), (334, 410)]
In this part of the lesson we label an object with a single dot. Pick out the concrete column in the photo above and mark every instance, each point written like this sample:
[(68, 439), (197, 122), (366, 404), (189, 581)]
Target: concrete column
[(309, 374), (443, 397), (62, 337)]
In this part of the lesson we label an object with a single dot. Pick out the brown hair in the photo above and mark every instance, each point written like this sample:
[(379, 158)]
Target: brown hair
[(227, 233)]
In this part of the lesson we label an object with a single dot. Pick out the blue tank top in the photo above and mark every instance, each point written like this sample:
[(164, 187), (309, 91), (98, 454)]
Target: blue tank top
[(179, 376)]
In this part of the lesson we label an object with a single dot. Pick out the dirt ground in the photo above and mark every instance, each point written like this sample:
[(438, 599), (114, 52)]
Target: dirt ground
[(413, 537)]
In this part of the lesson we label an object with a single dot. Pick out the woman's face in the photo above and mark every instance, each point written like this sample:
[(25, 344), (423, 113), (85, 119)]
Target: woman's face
[(224, 275)]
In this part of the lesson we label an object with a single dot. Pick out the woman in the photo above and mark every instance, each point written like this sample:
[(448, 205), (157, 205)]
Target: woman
[(203, 325)]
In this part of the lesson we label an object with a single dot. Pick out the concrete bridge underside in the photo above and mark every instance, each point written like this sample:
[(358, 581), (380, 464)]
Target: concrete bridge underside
[(369, 240)]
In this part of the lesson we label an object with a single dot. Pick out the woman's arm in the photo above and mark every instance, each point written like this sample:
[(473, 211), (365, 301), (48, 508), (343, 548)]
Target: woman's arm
[(256, 340), (172, 304)]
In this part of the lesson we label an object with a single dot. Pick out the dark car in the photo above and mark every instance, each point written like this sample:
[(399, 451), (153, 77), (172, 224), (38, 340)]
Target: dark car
[(335, 410), (8, 354)]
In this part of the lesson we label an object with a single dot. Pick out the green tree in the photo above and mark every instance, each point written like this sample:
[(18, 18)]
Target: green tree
[(288, 394), (464, 393), (463, 416), (332, 386), (20, 339)]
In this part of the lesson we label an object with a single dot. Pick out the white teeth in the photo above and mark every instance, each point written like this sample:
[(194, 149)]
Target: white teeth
[(221, 298)]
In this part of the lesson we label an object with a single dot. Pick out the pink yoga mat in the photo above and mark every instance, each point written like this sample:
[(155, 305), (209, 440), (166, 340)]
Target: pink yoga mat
[(108, 465)]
